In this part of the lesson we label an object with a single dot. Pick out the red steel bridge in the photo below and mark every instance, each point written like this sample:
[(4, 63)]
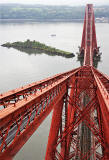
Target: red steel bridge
[(80, 102)]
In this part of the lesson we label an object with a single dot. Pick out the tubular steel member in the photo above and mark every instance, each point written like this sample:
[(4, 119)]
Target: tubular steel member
[(80, 103), (70, 113), (102, 82), (12, 97), (55, 126), (20, 120), (86, 85)]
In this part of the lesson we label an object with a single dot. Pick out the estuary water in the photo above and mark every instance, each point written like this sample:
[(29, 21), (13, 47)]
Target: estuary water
[(18, 68)]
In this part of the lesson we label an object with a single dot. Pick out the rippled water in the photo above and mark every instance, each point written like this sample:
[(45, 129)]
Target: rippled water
[(19, 68)]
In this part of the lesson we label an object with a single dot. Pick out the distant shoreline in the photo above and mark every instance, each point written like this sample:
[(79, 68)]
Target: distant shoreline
[(49, 13), (49, 20), (43, 20)]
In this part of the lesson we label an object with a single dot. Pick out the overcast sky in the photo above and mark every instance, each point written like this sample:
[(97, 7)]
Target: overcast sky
[(58, 2)]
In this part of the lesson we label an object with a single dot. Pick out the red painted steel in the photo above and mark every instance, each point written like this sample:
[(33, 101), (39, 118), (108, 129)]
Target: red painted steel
[(23, 118), (83, 36), (89, 102), (80, 103), (12, 97), (88, 85), (55, 126), (89, 43)]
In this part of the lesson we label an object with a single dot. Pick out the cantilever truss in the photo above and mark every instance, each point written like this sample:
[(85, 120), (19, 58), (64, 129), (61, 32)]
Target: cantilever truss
[(80, 102), (81, 130)]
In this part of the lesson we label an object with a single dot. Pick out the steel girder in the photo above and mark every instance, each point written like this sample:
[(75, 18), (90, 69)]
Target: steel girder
[(16, 95), (20, 120), (80, 103), (83, 104)]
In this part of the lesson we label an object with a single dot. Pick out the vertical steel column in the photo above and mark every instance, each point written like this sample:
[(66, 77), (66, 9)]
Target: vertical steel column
[(70, 117), (105, 124), (64, 142), (54, 130)]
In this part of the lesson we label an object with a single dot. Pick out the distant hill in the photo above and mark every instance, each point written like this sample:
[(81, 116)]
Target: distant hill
[(48, 13)]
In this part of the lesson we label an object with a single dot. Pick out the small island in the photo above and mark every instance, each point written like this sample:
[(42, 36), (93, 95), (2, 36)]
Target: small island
[(37, 46)]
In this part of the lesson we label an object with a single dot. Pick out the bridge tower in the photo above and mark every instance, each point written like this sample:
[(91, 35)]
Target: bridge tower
[(89, 41)]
